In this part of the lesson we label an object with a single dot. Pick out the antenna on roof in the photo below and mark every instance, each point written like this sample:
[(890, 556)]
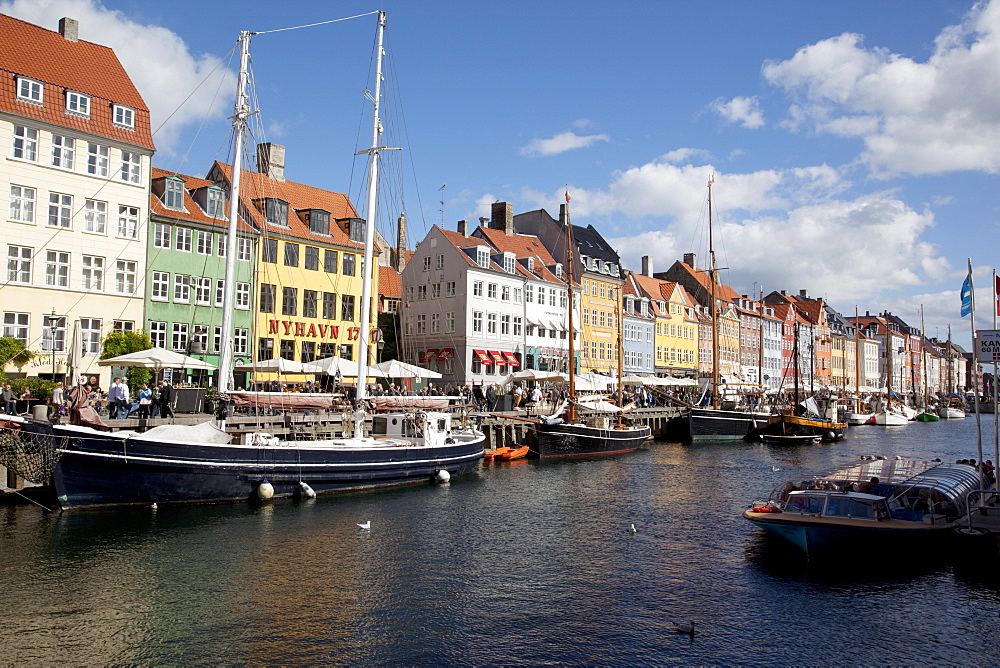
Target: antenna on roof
[(441, 190)]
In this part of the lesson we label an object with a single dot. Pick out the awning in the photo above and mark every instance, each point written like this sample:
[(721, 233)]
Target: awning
[(498, 358), (445, 353), (483, 356), (511, 359), (428, 355)]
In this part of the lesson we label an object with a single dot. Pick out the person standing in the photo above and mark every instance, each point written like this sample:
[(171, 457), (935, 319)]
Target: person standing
[(9, 403), (114, 403), (166, 399), (145, 401)]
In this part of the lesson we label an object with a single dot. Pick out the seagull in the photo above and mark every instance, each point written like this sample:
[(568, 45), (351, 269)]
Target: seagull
[(774, 468), (632, 528), (687, 628), (366, 525)]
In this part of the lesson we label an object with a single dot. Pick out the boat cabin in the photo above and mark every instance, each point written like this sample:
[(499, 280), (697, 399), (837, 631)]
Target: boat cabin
[(434, 428), (847, 505)]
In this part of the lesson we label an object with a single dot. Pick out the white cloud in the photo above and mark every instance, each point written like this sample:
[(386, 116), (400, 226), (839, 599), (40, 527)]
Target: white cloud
[(560, 143), (930, 117), (743, 110), (159, 62)]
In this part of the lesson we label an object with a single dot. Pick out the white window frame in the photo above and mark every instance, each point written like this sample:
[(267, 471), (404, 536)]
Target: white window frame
[(25, 144), (60, 210), (30, 90), (17, 326), (95, 217), (161, 235), (182, 289), (22, 204), (128, 222), (57, 268), (123, 117), (202, 291), (125, 272), (90, 333), (131, 171), (160, 286), (158, 333), (92, 272), (241, 341), (220, 289), (19, 260), (63, 151), (77, 104), (244, 249), (184, 237), (179, 337), (243, 296), (204, 244)]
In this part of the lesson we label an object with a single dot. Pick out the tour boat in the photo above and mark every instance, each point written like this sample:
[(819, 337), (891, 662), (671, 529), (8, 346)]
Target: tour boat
[(178, 464), (879, 503)]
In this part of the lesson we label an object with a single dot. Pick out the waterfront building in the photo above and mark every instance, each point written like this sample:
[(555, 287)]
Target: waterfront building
[(772, 344), (676, 326), (638, 326), (751, 347), (843, 353), (308, 269), (186, 268), (76, 137), (478, 307), (815, 342)]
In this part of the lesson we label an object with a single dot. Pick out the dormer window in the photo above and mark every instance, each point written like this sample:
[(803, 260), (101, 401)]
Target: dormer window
[(77, 103), (530, 264), (123, 117), (483, 257), (508, 263), (558, 270), (215, 202), (356, 230), (29, 90), (276, 211), (319, 221), (173, 193)]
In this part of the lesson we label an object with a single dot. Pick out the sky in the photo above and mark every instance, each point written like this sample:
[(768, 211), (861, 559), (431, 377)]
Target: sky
[(855, 145)]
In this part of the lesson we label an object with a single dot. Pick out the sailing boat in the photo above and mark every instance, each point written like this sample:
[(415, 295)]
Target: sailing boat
[(951, 409), (723, 420), (861, 413), (889, 414), (183, 464), (927, 414), (603, 431)]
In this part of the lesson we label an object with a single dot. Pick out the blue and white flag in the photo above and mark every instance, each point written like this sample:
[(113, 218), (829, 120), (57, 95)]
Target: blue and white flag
[(967, 295)]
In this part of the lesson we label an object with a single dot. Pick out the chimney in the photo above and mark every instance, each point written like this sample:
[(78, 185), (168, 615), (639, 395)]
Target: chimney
[(691, 260), (647, 265), (563, 215), (271, 160), (69, 29), (463, 228), (804, 294), (401, 243), (784, 293), (503, 217)]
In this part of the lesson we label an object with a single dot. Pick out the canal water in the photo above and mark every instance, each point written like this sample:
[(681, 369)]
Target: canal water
[(518, 563)]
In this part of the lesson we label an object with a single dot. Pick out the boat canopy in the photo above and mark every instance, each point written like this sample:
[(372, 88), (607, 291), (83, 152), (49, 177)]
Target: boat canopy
[(952, 480)]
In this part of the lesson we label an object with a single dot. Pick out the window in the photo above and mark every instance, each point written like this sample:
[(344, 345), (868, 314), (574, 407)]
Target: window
[(15, 326), (215, 202), (57, 269), (312, 258), (291, 255), (184, 236), (62, 151), (287, 350), (158, 333), (241, 341), (276, 211), (491, 290), (95, 216), (329, 305), (161, 235), (243, 251), (265, 349), (517, 325), (124, 116), (128, 222), (173, 194), (449, 289), (19, 264), (422, 323), (347, 307), (97, 159), (289, 301), (435, 323), (179, 337), (29, 90), (131, 163), (243, 296), (160, 290), (269, 251), (421, 292), (267, 294), (427, 263), (508, 263), (60, 210), (22, 204), (202, 290), (541, 295), (203, 245), (440, 261), (449, 321), (330, 261), (505, 325), (491, 323), (220, 288), (505, 293), (483, 257), (356, 230), (477, 289), (348, 268), (529, 294), (477, 321), (182, 288), (216, 339), (90, 333), (25, 143), (435, 291), (319, 221), (125, 277), (309, 303), (347, 351)]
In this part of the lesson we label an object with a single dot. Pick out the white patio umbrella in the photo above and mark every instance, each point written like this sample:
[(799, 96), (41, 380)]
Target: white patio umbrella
[(157, 358), (333, 366), (280, 365), (533, 374), (593, 382), (397, 369)]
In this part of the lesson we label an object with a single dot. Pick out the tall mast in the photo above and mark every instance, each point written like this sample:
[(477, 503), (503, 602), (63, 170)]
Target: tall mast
[(857, 356), (888, 364), (795, 355), (366, 266), (711, 304), (923, 362), (224, 380), (620, 313), (571, 414)]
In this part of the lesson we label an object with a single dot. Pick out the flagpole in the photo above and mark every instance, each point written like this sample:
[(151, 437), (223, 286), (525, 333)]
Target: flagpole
[(996, 416), (975, 368)]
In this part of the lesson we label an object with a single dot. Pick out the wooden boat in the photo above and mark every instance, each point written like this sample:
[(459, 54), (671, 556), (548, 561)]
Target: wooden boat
[(519, 452), (927, 416), (893, 502)]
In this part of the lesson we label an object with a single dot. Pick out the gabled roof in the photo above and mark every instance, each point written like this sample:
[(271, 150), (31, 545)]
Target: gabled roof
[(701, 276), (192, 210), (589, 242), (84, 67), (522, 246), (255, 186)]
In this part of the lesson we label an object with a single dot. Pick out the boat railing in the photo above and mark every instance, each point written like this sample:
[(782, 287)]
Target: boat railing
[(982, 503)]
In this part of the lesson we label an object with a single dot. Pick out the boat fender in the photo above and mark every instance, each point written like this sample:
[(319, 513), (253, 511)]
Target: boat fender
[(831, 435), (265, 490), (442, 475), (307, 491)]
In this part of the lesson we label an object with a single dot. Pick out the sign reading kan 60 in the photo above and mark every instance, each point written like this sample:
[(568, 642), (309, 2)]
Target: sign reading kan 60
[(988, 341)]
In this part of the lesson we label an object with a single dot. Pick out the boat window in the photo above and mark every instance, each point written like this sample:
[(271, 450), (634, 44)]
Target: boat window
[(796, 504), (442, 425), (845, 506), (380, 426), (814, 504)]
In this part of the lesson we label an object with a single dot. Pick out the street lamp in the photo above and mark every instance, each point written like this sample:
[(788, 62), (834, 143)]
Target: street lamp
[(53, 325), (380, 344)]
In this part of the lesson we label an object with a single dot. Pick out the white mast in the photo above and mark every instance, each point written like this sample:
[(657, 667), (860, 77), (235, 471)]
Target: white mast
[(242, 111), (366, 264)]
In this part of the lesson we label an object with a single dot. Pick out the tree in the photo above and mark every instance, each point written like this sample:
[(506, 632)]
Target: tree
[(121, 343), (389, 324), (12, 351)]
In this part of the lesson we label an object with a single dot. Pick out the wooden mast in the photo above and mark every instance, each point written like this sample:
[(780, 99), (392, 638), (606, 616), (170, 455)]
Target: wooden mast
[(571, 413), (711, 303)]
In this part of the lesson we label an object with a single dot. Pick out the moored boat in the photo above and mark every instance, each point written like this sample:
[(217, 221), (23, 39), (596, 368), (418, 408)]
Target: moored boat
[(877, 503), (498, 453), (518, 452), (790, 439), (927, 416)]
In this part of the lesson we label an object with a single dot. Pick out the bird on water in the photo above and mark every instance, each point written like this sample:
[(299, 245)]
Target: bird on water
[(366, 525), (632, 528), (686, 628)]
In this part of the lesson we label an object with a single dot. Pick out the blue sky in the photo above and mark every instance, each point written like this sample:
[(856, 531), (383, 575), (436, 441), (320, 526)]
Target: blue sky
[(855, 144)]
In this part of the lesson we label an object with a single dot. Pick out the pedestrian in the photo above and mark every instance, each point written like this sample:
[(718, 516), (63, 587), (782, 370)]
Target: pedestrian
[(145, 401), (166, 399), (9, 403), (117, 400)]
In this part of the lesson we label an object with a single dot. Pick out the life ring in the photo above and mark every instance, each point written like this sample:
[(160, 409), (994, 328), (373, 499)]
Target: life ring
[(769, 508)]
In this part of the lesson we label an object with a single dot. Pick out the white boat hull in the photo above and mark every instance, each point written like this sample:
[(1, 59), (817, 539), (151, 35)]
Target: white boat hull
[(890, 419)]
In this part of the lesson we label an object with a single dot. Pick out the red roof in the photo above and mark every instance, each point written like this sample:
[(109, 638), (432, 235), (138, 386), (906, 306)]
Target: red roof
[(46, 56), (390, 282), (192, 211)]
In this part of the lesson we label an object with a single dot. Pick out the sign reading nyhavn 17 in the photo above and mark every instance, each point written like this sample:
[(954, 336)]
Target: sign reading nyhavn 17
[(314, 331)]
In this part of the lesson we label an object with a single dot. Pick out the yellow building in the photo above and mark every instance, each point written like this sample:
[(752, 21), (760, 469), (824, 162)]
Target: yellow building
[(309, 266)]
